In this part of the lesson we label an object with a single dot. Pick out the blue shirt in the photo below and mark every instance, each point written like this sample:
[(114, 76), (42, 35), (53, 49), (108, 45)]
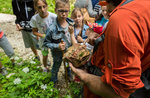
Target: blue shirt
[(85, 27), (94, 2), (102, 21), (55, 34)]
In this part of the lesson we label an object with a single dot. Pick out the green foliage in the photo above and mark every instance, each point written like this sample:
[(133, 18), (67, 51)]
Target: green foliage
[(75, 88), (26, 80), (6, 6)]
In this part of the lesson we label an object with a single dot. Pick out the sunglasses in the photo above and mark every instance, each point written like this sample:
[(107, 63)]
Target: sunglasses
[(64, 11)]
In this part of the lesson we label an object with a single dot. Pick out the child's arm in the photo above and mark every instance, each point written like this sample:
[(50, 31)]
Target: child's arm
[(48, 41), (35, 32), (71, 31), (80, 39), (18, 27)]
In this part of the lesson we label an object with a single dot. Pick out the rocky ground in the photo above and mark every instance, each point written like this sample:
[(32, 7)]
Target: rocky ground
[(7, 24)]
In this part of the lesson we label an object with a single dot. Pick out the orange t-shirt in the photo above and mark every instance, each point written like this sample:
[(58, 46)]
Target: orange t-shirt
[(126, 47)]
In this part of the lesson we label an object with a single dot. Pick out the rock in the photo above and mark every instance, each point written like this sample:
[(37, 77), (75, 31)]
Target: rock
[(7, 18)]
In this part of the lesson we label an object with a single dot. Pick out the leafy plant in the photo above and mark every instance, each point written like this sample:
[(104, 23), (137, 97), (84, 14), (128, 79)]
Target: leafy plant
[(6, 6), (75, 88), (26, 80)]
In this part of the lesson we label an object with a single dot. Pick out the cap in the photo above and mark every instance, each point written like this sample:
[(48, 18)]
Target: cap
[(103, 3)]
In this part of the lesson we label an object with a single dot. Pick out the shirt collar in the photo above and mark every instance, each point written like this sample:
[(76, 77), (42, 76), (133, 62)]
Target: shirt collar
[(122, 3), (59, 28)]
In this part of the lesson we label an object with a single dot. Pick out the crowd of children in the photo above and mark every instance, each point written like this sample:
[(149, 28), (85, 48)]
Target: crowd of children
[(46, 31)]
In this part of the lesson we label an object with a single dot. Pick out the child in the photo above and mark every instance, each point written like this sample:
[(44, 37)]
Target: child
[(80, 28), (5, 45), (40, 23), (58, 38), (24, 10), (103, 20)]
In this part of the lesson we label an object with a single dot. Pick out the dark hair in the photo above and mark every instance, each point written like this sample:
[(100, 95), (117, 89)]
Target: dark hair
[(36, 1), (59, 2), (114, 2)]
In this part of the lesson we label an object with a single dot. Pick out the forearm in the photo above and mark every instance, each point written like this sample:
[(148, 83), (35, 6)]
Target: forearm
[(38, 34), (73, 40), (95, 85)]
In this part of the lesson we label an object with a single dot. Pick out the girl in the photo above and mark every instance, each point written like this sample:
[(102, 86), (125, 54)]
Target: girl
[(80, 28), (40, 23), (103, 20)]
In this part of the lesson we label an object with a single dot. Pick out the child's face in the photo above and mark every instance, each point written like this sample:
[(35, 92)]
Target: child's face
[(105, 12), (42, 9), (78, 18), (62, 11)]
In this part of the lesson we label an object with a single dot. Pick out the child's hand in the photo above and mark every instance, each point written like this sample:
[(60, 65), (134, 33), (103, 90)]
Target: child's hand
[(71, 29), (18, 27), (80, 40), (43, 35), (62, 46), (37, 37)]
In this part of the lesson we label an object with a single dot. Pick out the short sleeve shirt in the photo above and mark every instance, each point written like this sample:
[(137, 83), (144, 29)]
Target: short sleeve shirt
[(42, 23)]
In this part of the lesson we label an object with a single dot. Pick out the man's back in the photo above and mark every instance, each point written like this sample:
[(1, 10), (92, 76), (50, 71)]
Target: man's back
[(127, 46)]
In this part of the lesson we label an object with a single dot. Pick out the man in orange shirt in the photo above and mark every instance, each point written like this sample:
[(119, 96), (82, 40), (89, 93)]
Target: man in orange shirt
[(124, 54)]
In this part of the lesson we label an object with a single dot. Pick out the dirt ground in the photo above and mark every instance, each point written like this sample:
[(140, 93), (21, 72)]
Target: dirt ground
[(7, 24)]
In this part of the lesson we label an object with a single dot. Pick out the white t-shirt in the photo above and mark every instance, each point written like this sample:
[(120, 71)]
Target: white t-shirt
[(42, 24)]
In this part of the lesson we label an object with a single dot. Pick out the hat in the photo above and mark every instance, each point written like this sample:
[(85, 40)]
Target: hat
[(103, 3)]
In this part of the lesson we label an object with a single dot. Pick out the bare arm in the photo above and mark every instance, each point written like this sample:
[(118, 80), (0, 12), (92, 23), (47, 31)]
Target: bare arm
[(95, 84), (35, 32), (71, 31)]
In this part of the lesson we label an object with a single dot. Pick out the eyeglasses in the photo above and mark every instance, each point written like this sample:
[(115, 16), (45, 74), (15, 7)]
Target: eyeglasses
[(64, 11)]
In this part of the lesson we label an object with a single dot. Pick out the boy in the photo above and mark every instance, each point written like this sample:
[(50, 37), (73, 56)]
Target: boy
[(58, 38), (24, 10)]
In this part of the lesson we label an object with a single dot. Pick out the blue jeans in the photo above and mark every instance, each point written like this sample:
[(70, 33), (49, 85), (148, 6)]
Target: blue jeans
[(57, 60), (6, 46)]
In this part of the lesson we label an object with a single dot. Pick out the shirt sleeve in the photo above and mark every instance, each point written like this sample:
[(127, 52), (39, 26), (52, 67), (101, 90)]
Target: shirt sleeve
[(123, 47), (48, 41), (33, 22), (53, 16), (15, 11)]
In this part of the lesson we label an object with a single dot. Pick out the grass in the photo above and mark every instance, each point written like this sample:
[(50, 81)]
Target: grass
[(6, 6)]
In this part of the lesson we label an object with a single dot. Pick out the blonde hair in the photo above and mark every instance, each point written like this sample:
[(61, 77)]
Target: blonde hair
[(74, 12), (61, 2)]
